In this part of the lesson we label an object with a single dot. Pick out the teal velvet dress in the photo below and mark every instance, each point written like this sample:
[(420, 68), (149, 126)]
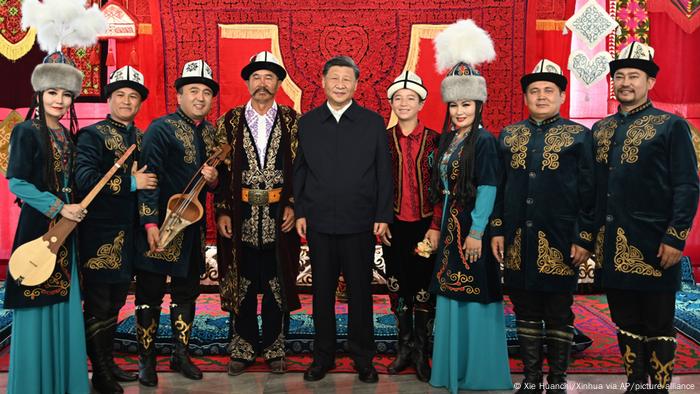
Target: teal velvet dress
[(469, 351), (47, 348)]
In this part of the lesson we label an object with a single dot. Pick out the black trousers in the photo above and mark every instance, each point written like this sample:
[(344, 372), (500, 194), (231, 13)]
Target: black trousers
[(258, 270), (552, 308), (353, 254), (648, 314), (103, 300), (150, 286), (407, 274)]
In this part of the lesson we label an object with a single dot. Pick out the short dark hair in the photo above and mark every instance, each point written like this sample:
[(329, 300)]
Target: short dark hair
[(341, 61)]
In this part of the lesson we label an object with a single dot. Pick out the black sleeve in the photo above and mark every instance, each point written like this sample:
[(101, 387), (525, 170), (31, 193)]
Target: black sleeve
[(300, 171), (22, 151), (586, 221), (154, 148), (385, 182), (486, 160), (683, 168), (496, 222), (87, 169)]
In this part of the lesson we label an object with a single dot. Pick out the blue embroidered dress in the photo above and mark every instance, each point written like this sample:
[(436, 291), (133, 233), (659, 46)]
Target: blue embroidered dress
[(47, 351), (469, 351)]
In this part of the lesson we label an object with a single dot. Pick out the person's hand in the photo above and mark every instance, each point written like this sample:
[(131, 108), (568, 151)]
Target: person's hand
[(287, 219), (301, 227), (144, 180), (433, 236), (380, 229), (223, 223), (670, 256), (153, 236), (74, 212), (472, 249), (386, 238), (579, 255), (497, 247), (210, 174)]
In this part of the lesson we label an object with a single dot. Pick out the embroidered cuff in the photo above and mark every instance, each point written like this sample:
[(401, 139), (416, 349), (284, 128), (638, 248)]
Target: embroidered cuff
[(675, 237), (54, 209), (476, 234)]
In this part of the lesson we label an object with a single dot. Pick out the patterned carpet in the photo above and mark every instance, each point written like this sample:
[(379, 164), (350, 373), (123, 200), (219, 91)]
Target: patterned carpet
[(595, 350)]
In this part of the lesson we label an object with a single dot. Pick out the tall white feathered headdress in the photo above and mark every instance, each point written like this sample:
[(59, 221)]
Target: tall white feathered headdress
[(61, 24), (460, 48)]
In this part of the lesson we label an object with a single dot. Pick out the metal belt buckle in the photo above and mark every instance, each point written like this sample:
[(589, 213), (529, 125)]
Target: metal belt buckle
[(258, 197), (66, 190)]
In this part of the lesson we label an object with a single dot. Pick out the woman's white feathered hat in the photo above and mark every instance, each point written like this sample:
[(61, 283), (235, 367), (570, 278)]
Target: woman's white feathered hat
[(460, 48), (61, 23)]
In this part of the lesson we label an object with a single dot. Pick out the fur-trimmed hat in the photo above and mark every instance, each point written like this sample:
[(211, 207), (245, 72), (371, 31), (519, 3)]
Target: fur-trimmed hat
[(545, 70), (407, 80), (197, 71), (57, 72), (460, 48), (126, 77), (636, 55), (263, 61)]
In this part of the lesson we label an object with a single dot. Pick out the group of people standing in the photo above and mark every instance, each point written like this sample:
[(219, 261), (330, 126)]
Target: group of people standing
[(539, 200)]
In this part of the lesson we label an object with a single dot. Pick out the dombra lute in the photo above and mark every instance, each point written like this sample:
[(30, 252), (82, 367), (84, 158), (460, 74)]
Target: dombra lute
[(32, 263), (185, 208)]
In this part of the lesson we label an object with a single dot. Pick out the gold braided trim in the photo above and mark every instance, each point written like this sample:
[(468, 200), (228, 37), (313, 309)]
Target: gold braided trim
[(15, 51), (632, 335)]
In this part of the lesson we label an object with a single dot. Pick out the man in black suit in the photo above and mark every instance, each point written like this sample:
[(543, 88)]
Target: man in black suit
[(343, 192)]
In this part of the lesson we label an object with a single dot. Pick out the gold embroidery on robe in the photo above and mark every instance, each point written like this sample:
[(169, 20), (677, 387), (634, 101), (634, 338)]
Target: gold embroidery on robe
[(513, 260), (276, 291), (58, 283), (599, 248), (517, 139), (603, 136), (555, 140), (496, 223), (643, 129), (585, 235), (115, 185), (630, 260), (145, 210), (185, 134), (683, 235), (550, 260), (240, 348), (109, 255), (172, 252), (114, 141), (629, 357)]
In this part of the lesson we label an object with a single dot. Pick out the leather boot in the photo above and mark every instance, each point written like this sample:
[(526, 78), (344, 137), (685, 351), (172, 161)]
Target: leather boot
[(404, 321), (530, 337), (558, 351), (119, 374), (147, 320), (661, 355), (635, 360), (102, 380), (420, 344), (181, 318)]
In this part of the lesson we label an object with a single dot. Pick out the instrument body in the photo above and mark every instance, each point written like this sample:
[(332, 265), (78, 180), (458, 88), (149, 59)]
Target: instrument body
[(184, 208), (32, 263)]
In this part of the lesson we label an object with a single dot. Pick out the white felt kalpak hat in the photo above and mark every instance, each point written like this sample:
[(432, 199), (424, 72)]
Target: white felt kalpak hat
[(197, 71), (126, 77), (636, 55), (545, 70), (263, 61), (407, 80)]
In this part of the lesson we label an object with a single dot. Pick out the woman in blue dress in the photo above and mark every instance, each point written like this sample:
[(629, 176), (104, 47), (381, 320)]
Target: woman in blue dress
[(469, 350), (47, 350)]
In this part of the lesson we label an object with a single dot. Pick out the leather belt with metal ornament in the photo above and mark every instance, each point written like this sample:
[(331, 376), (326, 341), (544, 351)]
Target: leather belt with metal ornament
[(260, 196)]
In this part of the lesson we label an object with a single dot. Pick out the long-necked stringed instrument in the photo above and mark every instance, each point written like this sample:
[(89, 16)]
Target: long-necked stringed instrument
[(32, 263), (185, 208)]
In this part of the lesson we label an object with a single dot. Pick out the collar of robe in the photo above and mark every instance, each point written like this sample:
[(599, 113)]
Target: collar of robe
[(640, 108), (544, 122), (118, 125), (187, 118)]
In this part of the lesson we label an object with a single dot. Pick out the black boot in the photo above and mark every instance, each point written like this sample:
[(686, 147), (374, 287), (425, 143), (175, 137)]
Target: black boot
[(661, 355), (404, 321), (530, 337), (181, 318), (420, 344), (558, 351), (634, 358), (147, 320), (102, 380), (119, 374)]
